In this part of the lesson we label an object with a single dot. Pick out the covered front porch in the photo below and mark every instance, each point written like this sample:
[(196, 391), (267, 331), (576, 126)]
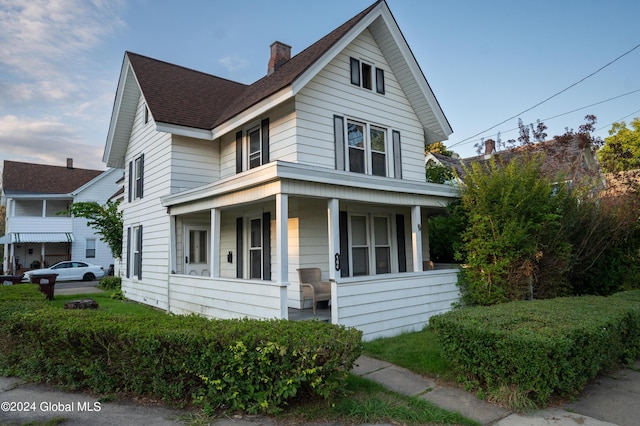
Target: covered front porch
[(236, 254)]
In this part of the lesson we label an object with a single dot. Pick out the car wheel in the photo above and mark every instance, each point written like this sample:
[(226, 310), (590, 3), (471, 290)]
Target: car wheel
[(88, 277)]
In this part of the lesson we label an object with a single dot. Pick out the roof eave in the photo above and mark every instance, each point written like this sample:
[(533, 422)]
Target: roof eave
[(253, 112), (122, 116)]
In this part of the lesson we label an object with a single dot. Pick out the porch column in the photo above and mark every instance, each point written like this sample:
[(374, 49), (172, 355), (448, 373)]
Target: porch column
[(333, 213), (42, 254), (172, 258), (282, 237), (416, 238), (12, 258), (214, 260)]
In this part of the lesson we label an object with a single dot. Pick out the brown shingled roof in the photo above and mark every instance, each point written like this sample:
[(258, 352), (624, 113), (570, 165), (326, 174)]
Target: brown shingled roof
[(178, 95), (24, 178), (181, 96)]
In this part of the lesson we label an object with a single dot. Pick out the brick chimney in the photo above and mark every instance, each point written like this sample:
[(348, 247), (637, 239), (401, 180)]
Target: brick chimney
[(489, 147), (280, 53), (69, 163)]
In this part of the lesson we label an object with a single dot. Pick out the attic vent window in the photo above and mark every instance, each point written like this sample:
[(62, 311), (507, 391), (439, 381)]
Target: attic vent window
[(362, 75), (146, 114)]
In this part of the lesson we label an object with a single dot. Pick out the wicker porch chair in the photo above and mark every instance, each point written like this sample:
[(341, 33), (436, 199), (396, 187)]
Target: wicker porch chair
[(312, 286)]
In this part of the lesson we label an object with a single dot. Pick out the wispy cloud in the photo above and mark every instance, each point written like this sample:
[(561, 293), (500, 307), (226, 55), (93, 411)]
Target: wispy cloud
[(45, 141), (233, 63), (51, 98), (37, 35)]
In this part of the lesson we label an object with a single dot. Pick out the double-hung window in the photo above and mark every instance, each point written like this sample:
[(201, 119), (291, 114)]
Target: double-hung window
[(252, 146), (134, 251), (366, 148), (91, 248), (255, 149), (136, 178), (370, 244), (255, 248)]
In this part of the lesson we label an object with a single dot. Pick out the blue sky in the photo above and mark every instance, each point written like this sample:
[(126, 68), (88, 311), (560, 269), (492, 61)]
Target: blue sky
[(485, 61)]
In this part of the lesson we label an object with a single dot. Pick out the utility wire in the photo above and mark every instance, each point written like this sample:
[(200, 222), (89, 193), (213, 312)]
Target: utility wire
[(566, 113), (550, 97), (618, 120)]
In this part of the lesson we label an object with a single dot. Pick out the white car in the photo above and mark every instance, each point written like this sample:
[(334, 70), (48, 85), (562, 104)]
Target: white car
[(69, 271)]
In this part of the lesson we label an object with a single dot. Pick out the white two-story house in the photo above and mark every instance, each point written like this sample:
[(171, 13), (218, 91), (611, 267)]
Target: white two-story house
[(37, 229), (230, 188)]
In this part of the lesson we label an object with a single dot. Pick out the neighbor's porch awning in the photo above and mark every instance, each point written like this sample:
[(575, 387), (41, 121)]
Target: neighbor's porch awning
[(37, 237)]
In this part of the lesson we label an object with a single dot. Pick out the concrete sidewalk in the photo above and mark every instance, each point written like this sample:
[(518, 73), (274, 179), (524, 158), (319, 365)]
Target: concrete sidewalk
[(609, 400)]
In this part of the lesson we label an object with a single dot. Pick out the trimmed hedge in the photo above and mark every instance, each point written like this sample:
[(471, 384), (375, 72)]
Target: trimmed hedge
[(534, 350), (249, 365)]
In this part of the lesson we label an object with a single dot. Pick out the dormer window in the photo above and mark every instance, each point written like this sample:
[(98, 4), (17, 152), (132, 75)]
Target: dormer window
[(362, 74)]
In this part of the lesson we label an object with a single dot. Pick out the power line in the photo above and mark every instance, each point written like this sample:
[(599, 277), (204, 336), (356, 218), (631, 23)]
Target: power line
[(619, 120), (550, 97), (562, 114)]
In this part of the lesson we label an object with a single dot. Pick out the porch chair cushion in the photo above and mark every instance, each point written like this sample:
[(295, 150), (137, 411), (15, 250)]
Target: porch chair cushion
[(312, 286)]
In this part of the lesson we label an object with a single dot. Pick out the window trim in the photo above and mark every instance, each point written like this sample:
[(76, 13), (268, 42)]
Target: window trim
[(255, 130), (367, 75), (371, 242), (188, 259), (243, 145), (87, 249), (368, 149), (136, 178), (250, 248), (134, 251)]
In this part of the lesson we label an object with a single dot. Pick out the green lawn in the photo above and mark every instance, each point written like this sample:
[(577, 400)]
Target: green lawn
[(419, 352), (107, 304)]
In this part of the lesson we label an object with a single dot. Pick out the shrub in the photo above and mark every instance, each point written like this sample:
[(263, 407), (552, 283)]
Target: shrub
[(538, 349), (514, 218), (249, 365), (110, 283)]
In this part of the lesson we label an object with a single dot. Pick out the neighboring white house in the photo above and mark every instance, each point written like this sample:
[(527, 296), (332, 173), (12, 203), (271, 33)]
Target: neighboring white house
[(230, 188), (36, 233)]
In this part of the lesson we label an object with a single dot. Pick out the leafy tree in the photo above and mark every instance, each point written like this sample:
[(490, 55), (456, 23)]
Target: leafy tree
[(437, 173), (106, 220), (438, 148), (445, 233), (514, 217), (621, 150)]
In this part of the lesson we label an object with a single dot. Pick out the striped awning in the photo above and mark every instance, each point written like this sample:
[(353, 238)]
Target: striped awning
[(41, 237)]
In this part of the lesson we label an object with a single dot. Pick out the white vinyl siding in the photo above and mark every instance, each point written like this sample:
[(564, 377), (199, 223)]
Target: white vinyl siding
[(148, 211), (194, 162), (330, 92), (282, 140)]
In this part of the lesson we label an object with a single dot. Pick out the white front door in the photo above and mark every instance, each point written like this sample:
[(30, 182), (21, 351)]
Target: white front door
[(196, 247)]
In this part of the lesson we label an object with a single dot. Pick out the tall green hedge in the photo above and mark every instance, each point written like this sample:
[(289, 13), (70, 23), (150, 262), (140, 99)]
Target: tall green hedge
[(249, 365), (536, 349)]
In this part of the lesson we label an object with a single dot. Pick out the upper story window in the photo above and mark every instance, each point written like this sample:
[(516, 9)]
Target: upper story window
[(252, 147), (146, 114), (366, 148), (362, 74), (136, 178)]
